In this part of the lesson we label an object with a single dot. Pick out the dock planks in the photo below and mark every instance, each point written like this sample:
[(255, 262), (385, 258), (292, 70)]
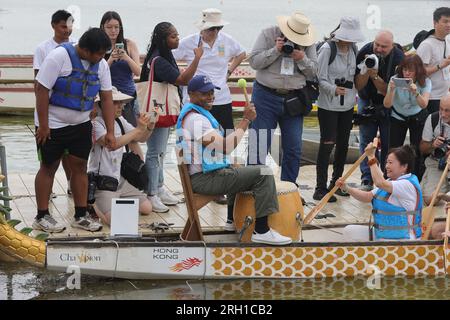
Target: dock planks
[(212, 217)]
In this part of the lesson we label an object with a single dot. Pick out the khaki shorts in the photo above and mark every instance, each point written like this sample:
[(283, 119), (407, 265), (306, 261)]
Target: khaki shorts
[(431, 178), (103, 198)]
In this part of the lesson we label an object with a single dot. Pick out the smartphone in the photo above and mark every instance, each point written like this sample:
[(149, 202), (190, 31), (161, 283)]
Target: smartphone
[(120, 46), (402, 82)]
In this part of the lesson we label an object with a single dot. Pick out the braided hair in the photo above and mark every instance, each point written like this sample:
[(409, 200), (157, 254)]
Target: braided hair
[(158, 43)]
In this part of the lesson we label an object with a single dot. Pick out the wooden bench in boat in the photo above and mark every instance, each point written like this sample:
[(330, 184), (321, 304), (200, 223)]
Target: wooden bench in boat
[(192, 230)]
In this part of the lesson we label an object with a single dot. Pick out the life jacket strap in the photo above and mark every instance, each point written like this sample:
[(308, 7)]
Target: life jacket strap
[(383, 227), (393, 213)]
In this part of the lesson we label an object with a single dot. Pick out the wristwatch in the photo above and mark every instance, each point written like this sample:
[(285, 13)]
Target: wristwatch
[(375, 78)]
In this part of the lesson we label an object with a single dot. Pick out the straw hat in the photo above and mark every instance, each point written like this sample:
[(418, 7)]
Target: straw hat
[(349, 30), (211, 18), (297, 28), (118, 96)]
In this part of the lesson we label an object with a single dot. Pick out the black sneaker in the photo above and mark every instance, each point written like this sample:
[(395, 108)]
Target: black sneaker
[(366, 186), (320, 193)]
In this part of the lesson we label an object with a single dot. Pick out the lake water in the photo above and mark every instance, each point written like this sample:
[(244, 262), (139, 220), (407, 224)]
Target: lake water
[(25, 23)]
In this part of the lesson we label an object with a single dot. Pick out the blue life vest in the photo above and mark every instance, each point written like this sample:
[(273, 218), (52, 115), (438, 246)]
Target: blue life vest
[(210, 159), (391, 221), (78, 90)]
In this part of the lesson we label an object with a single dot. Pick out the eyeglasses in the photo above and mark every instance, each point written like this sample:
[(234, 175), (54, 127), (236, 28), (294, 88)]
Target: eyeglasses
[(215, 28)]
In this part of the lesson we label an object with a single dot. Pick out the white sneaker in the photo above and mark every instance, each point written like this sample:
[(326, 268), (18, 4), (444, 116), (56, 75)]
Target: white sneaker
[(166, 197), (271, 237), (229, 226), (86, 223), (48, 224), (157, 205)]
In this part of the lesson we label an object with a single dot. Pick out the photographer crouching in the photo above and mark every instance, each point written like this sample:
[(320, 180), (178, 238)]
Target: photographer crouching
[(107, 173), (376, 64), (336, 101), (436, 145)]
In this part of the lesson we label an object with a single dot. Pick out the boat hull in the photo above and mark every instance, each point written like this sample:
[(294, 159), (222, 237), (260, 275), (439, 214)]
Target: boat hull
[(178, 260)]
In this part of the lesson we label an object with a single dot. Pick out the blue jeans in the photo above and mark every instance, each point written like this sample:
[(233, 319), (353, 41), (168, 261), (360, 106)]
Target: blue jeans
[(154, 159), (270, 111), (367, 132)]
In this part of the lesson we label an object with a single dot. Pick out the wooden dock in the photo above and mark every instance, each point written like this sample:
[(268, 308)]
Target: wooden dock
[(212, 217)]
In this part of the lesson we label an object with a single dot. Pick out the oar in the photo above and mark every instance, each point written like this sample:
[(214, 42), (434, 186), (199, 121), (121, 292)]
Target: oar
[(314, 211), (447, 228), (428, 213)]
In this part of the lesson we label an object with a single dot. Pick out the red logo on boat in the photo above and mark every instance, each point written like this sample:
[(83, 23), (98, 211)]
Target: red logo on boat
[(186, 264)]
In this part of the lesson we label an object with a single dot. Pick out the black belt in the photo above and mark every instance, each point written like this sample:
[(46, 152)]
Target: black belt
[(278, 92)]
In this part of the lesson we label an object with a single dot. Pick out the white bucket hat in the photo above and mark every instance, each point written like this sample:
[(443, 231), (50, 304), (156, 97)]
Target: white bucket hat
[(297, 28), (211, 18), (118, 96), (349, 30)]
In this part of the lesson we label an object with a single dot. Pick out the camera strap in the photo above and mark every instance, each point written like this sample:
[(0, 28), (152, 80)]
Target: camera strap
[(122, 130)]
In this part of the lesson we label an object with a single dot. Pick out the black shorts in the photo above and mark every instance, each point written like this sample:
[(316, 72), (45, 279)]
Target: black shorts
[(73, 140)]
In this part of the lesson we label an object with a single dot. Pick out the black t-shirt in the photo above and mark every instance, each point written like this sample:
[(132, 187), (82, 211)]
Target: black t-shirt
[(369, 92), (165, 70)]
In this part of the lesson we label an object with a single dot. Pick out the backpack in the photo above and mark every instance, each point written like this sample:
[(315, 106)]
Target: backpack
[(333, 48), (434, 120), (422, 35)]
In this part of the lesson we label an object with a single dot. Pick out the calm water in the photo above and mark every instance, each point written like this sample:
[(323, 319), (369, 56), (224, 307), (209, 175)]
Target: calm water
[(22, 282), (25, 23)]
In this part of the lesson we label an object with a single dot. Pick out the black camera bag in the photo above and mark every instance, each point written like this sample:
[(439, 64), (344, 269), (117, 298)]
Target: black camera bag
[(298, 103), (132, 167)]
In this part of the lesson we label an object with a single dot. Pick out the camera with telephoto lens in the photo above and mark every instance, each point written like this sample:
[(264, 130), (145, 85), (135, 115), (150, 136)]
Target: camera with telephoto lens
[(371, 61), (288, 46)]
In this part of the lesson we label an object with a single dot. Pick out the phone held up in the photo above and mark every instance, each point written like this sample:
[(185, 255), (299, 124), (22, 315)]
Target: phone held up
[(402, 82)]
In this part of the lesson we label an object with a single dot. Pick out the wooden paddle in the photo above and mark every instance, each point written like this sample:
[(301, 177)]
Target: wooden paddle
[(428, 213), (447, 228), (314, 211)]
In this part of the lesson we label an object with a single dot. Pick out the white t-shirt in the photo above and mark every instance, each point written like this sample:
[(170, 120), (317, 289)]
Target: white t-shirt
[(213, 63), (431, 50), (195, 128), (57, 64), (43, 49), (428, 134), (108, 160), (404, 195)]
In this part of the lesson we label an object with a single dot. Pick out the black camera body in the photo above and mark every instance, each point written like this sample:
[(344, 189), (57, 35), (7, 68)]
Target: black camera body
[(342, 82), (288, 46), (440, 152), (100, 182)]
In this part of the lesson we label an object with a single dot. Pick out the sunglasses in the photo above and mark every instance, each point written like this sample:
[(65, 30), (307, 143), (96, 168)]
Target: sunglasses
[(215, 28)]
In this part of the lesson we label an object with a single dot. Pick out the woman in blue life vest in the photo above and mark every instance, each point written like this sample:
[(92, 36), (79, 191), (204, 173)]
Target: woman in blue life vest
[(396, 202), (124, 62)]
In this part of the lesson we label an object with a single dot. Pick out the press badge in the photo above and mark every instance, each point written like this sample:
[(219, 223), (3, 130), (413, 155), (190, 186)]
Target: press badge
[(287, 66)]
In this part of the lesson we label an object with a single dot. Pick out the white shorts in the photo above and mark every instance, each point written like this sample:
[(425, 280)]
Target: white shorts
[(104, 198)]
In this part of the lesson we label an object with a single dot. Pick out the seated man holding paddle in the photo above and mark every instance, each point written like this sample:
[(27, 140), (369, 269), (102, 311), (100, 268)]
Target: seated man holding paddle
[(397, 201), (206, 150)]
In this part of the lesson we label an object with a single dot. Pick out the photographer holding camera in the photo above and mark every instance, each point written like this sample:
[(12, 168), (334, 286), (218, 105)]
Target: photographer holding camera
[(105, 165), (408, 101), (436, 145), (376, 64), (283, 56), (336, 101)]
